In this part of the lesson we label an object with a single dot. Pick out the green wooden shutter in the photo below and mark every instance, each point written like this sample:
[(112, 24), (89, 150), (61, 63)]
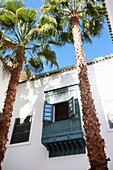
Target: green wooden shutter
[(77, 109), (71, 106), (21, 131), (48, 112)]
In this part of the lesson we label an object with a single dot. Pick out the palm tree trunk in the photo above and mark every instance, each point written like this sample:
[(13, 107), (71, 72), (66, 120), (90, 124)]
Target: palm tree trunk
[(9, 101), (94, 142)]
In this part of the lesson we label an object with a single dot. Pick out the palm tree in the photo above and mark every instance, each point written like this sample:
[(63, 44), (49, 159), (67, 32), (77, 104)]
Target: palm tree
[(20, 34), (78, 20)]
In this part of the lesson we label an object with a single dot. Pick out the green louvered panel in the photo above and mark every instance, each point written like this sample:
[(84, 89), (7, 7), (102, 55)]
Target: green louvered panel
[(61, 127), (21, 131), (62, 130), (48, 112), (77, 109), (76, 124), (47, 130), (71, 106)]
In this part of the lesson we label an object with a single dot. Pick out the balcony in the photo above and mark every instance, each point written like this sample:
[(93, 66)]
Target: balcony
[(63, 137), (62, 131)]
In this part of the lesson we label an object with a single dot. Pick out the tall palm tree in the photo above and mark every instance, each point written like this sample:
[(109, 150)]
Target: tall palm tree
[(19, 33), (78, 20)]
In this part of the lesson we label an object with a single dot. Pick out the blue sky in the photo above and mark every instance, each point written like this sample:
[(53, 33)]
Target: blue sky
[(65, 55)]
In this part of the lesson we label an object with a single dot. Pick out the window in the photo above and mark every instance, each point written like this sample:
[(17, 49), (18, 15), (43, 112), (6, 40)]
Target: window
[(67, 109), (109, 111), (110, 120), (21, 131), (61, 111), (60, 104)]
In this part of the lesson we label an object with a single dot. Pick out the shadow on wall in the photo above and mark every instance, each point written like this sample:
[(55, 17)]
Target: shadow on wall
[(30, 101), (30, 95), (5, 71)]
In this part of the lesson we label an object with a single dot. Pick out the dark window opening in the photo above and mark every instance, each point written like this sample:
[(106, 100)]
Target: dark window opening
[(61, 111), (21, 130)]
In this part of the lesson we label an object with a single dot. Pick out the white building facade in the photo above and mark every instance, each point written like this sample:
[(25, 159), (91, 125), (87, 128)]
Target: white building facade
[(36, 119)]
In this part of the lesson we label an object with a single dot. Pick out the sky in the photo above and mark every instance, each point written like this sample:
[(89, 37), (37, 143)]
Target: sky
[(65, 55)]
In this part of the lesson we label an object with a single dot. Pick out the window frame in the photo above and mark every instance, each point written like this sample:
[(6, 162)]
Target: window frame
[(21, 133), (106, 110), (54, 109), (74, 109), (9, 145), (49, 98)]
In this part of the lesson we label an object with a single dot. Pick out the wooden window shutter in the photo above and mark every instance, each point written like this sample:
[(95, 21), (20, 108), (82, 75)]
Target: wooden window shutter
[(71, 106), (21, 131), (48, 112), (77, 109)]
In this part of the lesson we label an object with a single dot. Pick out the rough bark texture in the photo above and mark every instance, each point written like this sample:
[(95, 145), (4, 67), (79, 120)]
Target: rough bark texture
[(9, 101), (94, 142)]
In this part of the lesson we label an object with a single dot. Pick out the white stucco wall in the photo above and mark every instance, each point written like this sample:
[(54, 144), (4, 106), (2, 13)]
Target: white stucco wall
[(109, 5), (102, 87), (33, 155), (4, 79)]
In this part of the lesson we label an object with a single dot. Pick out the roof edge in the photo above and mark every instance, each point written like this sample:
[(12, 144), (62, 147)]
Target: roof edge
[(108, 20), (64, 69)]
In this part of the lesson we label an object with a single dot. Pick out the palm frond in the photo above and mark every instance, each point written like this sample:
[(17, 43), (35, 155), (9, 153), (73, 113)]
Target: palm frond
[(86, 37), (35, 64), (26, 14), (20, 23), (7, 18), (92, 26), (1, 34), (47, 19), (66, 37), (54, 42), (91, 17), (27, 70), (9, 44), (33, 34), (13, 5), (49, 57), (46, 8), (48, 30), (96, 10)]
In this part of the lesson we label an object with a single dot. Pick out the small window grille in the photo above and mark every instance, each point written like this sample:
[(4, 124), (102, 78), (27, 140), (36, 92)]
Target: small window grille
[(21, 131)]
